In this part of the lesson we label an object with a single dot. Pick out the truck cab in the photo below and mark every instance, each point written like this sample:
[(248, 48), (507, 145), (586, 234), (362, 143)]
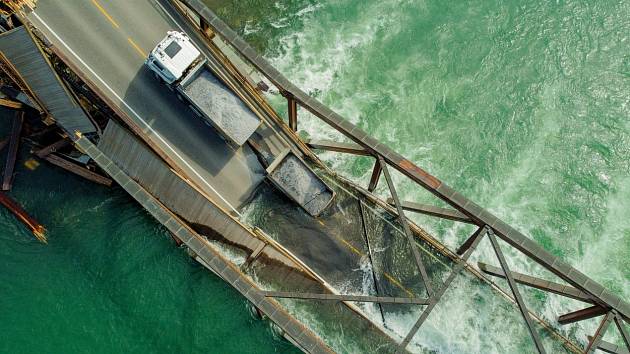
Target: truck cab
[(172, 56)]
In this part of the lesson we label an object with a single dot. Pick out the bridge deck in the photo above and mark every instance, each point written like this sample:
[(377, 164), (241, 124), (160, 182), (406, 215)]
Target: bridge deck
[(18, 47), (112, 55)]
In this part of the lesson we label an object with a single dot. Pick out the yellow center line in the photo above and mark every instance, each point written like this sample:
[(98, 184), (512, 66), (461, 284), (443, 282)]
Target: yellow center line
[(102, 10), (137, 48), (387, 275), (397, 283), (351, 247)]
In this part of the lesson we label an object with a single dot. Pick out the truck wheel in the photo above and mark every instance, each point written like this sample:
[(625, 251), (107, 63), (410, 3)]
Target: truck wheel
[(179, 97)]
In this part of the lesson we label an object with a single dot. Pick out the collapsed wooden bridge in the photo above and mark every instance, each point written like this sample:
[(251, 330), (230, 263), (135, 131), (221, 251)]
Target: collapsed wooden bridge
[(276, 265)]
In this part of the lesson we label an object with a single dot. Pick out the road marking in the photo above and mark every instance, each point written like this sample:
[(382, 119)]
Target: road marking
[(137, 48), (102, 10), (352, 248), (397, 283), (138, 116), (346, 243)]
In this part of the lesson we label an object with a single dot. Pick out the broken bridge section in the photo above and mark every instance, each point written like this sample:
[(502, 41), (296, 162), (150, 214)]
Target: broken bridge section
[(21, 54)]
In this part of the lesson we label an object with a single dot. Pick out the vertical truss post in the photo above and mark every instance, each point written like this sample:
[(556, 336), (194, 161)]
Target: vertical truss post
[(517, 295), (376, 175), (292, 111), (405, 225), (433, 301), (622, 330), (593, 344)]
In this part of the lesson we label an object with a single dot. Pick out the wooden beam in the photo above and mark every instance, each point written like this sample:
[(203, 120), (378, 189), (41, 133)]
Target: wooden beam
[(406, 229), (292, 110), (78, 170), (435, 299), (14, 143), (580, 315), (36, 228), (556, 288), (41, 153), (622, 330), (358, 298), (610, 347), (329, 145), (5, 102), (450, 214), (470, 240), (517, 295), (376, 175), (593, 344)]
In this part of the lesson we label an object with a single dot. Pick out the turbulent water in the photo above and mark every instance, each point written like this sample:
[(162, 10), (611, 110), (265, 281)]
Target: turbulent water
[(521, 106)]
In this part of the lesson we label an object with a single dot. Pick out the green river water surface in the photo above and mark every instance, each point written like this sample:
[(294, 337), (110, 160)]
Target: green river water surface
[(522, 106)]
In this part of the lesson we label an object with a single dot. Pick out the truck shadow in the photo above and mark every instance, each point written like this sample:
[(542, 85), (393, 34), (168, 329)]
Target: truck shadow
[(181, 134), (174, 122)]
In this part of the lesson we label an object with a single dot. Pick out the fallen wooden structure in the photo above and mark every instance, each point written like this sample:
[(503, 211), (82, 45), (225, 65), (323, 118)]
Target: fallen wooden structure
[(77, 170), (36, 228)]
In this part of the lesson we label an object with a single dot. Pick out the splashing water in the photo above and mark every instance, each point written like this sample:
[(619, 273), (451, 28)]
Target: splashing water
[(521, 107)]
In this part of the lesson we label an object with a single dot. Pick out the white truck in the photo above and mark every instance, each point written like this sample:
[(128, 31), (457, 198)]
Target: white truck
[(179, 64)]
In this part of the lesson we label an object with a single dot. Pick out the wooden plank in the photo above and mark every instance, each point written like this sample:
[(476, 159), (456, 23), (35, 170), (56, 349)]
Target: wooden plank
[(329, 145), (469, 241), (622, 330), (556, 288), (443, 213), (593, 344), (9, 166), (610, 347), (292, 110), (78, 170), (41, 153), (582, 314), (36, 228), (336, 297), (376, 175)]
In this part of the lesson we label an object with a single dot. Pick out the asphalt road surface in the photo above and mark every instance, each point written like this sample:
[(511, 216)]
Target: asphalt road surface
[(109, 40)]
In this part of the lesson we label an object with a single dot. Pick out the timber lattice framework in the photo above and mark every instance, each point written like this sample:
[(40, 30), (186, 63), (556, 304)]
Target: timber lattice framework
[(601, 302)]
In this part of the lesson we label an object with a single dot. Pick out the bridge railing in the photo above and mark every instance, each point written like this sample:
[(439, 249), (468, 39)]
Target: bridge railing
[(601, 301)]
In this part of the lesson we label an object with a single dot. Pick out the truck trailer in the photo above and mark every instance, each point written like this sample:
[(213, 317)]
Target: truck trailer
[(178, 63)]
